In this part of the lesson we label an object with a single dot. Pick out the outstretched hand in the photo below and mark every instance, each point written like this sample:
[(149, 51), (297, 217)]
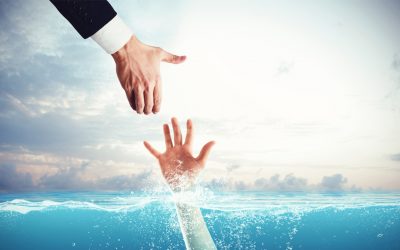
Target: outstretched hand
[(178, 165), (138, 70)]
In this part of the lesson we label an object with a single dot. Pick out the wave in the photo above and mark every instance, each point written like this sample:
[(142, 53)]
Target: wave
[(24, 206), (272, 203)]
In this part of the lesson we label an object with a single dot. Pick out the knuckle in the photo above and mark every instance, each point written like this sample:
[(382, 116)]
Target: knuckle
[(137, 86), (148, 85), (158, 50)]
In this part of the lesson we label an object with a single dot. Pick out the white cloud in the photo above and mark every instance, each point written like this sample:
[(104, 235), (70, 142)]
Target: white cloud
[(333, 183), (19, 105), (287, 183)]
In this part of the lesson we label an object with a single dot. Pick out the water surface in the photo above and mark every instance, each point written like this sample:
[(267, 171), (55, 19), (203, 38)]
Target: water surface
[(239, 220)]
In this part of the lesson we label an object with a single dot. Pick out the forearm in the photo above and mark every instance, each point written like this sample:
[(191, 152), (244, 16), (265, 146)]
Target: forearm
[(193, 227)]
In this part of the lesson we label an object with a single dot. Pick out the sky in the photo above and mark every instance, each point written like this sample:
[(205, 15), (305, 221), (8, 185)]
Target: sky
[(298, 95)]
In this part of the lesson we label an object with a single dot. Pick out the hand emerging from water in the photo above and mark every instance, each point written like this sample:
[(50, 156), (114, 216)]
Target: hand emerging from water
[(179, 167), (138, 70)]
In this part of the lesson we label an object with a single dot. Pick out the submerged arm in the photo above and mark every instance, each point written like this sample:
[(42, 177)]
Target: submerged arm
[(194, 229)]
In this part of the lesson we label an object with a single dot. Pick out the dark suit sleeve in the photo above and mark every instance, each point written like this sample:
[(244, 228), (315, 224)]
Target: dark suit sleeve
[(87, 16)]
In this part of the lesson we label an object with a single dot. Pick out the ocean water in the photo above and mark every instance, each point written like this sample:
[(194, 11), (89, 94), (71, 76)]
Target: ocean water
[(243, 220)]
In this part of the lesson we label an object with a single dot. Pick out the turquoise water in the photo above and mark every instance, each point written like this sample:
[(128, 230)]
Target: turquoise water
[(235, 220)]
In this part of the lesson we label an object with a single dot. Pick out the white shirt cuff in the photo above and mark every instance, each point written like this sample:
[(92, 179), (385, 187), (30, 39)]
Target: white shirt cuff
[(113, 36)]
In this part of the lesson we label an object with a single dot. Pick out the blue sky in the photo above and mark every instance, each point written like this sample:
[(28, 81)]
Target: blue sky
[(298, 95)]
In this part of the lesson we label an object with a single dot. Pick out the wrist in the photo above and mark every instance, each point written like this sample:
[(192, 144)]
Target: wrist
[(182, 187), (131, 47), (122, 53), (182, 183)]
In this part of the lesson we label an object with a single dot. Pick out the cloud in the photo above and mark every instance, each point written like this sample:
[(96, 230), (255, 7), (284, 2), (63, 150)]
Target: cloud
[(333, 183), (50, 132), (284, 68), (12, 180), (25, 31), (34, 171), (78, 178), (107, 136), (232, 167), (71, 179), (395, 157), (274, 183), (68, 178), (396, 62), (141, 181), (287, 183)]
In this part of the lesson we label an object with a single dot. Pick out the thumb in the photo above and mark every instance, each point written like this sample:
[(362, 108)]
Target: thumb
[(205, 151), (171, 58)]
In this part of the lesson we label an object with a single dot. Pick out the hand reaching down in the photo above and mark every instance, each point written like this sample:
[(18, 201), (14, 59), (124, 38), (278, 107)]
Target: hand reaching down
[(178, 165), (138, 70)]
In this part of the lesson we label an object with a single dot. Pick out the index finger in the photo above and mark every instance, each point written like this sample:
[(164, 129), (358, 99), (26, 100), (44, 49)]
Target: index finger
[(131, 99)]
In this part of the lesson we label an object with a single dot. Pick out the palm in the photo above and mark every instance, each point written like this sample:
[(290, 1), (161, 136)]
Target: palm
[(177, 161)]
